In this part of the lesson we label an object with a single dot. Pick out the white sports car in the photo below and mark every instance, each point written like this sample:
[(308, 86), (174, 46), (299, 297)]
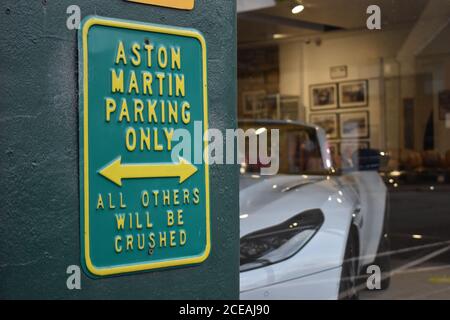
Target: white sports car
[(310, 231)]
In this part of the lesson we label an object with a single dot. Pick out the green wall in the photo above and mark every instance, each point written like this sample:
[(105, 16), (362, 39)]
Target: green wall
[(39, 178)]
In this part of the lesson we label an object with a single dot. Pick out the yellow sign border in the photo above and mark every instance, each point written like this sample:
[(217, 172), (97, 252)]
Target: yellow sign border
[(177, 4), (152, 28)]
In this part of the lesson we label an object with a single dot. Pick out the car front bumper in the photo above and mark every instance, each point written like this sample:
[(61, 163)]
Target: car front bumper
[(322, 285)]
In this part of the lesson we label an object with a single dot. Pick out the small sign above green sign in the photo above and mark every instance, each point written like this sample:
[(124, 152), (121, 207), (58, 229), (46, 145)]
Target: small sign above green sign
[(140, 209)]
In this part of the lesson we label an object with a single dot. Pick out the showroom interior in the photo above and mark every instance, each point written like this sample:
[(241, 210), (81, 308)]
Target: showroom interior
[(317, 62)]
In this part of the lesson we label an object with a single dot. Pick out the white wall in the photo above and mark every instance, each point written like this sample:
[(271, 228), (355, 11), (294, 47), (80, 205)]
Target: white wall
[(362, 53), (291, 58), (367, 55)]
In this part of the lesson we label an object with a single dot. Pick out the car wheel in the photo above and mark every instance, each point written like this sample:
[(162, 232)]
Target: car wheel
[(349, 276)]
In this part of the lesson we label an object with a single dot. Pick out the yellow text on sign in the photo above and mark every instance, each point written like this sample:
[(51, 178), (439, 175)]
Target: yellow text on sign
[(178, 4)]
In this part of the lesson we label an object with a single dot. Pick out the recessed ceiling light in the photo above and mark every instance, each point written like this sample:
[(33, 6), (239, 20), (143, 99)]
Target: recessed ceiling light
[(298, 8), (260, 130), (279, 35)]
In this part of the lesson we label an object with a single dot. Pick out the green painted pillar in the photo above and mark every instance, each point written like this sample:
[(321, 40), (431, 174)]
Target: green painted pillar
[(41, 164)]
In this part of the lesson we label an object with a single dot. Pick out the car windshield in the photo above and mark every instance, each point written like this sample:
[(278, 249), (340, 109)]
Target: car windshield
[(298, 144)]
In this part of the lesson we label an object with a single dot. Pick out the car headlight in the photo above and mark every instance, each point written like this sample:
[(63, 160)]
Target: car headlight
[(280, 242)]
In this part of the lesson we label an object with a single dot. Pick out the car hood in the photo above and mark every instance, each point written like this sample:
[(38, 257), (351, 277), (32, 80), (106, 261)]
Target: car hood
[(265, 189), (268, 200)]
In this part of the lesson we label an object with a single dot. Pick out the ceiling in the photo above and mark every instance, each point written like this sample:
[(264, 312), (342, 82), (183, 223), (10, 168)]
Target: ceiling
[(321, 16)]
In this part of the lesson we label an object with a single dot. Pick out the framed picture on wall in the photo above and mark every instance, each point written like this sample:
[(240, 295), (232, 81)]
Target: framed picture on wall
[(353, 94), (327, 121), (323, 96), (354, 124), (338, 72), (253, 101)]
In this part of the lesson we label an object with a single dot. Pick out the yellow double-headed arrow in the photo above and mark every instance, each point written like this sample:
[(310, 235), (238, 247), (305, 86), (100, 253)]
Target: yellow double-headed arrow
[(116, 171)]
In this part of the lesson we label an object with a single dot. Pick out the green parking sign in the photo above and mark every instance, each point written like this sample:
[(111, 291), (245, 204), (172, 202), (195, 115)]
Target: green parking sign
[(140, 208)]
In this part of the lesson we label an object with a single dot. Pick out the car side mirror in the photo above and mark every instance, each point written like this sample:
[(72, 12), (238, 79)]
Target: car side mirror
[(366, 160)]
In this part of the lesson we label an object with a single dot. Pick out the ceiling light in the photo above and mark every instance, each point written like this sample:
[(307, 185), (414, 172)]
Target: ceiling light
[(395, 173), (298, 8), (279, 35), (260, 130)]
